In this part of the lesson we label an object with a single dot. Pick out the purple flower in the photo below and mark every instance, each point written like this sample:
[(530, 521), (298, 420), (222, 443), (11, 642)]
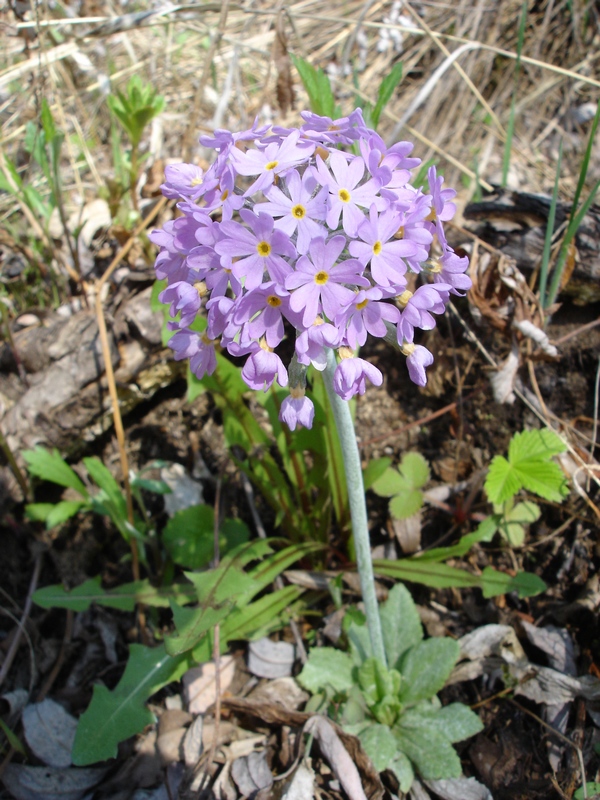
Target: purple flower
[(417, 358), (311, 343), (345, 193), (443, 209), (260, 249), (366, 315), (299, 211), (351, 375), (451, 269), (261, 369), (198, 348), (297, 411), (274, 159), (344, 130), (222, 139), (318, 283), (186, 180), (387, 266), (182, 297), (418, 307), (264, 308)]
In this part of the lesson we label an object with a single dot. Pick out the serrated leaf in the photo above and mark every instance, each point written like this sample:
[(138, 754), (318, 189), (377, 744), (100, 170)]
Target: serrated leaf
[(379, 745), (538, 444), (415, 469), (389, 484), (501, 482), (375, 470), (114, 716), (545, 479), (123, 597), (425, 668), (400, 624), (50, 466), (406, 503), (327, 668)]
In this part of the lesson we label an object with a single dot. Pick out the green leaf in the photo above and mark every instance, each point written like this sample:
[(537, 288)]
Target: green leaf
[(123, 597), (542, 443), (415, 470), (400, 624), (528, 466), (403, 770), (426, 667), (150, 485), (103, 478), (406, 503), (484, 533), (12, 738), (327, 668), (50, 466), (375, 470), (379, 745), (318, 87), (114, 716), (438, 576), (63, 511), (389, 484), (188, 537), (458, 722), (38, 512), (423, 741), (501, 482), (512, 525), (592, 788), (526, 584), (386, 90)]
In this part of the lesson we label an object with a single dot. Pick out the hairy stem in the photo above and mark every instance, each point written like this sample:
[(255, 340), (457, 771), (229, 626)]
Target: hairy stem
[(358, 507)]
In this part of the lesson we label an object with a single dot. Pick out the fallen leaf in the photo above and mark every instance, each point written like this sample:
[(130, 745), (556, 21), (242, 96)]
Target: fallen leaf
[(49, 731), (269, 659), (48, 783), (199, 684)]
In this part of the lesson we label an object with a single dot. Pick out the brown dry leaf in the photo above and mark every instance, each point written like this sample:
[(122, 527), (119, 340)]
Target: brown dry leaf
[(339, 759), (408, 533), (283, 692), (199, 684), (285, 85)]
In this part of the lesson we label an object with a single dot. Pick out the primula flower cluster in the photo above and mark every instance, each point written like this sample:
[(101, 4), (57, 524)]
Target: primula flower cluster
[(287, 227)]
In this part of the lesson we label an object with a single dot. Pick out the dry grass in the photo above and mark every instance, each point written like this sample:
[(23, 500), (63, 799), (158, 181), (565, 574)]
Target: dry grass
[(462, 121)]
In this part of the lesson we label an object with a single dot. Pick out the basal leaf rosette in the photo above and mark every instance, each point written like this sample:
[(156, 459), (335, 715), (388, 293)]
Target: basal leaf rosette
[(286, 232)]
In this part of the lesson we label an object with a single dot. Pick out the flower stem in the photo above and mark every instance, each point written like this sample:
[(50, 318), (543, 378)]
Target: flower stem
[(358, 507)]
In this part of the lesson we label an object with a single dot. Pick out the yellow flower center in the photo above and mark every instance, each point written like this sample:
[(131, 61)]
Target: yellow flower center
[(271, 165), (321, 277), (273, 301), (344, 195), (399, 233), (225, 195), (433, 266), (362, 304), (298, 211), (377, 248), (206, 340), (408, 348), (404, 298), (263, 249), (201, 288), (196, 182), (264, 346), (345, 352)]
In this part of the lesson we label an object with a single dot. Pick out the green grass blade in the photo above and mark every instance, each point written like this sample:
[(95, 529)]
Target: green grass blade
[(510, 130), (549, 232)]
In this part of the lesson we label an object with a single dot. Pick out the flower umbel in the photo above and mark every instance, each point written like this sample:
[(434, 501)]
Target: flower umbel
[(307, 239)]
